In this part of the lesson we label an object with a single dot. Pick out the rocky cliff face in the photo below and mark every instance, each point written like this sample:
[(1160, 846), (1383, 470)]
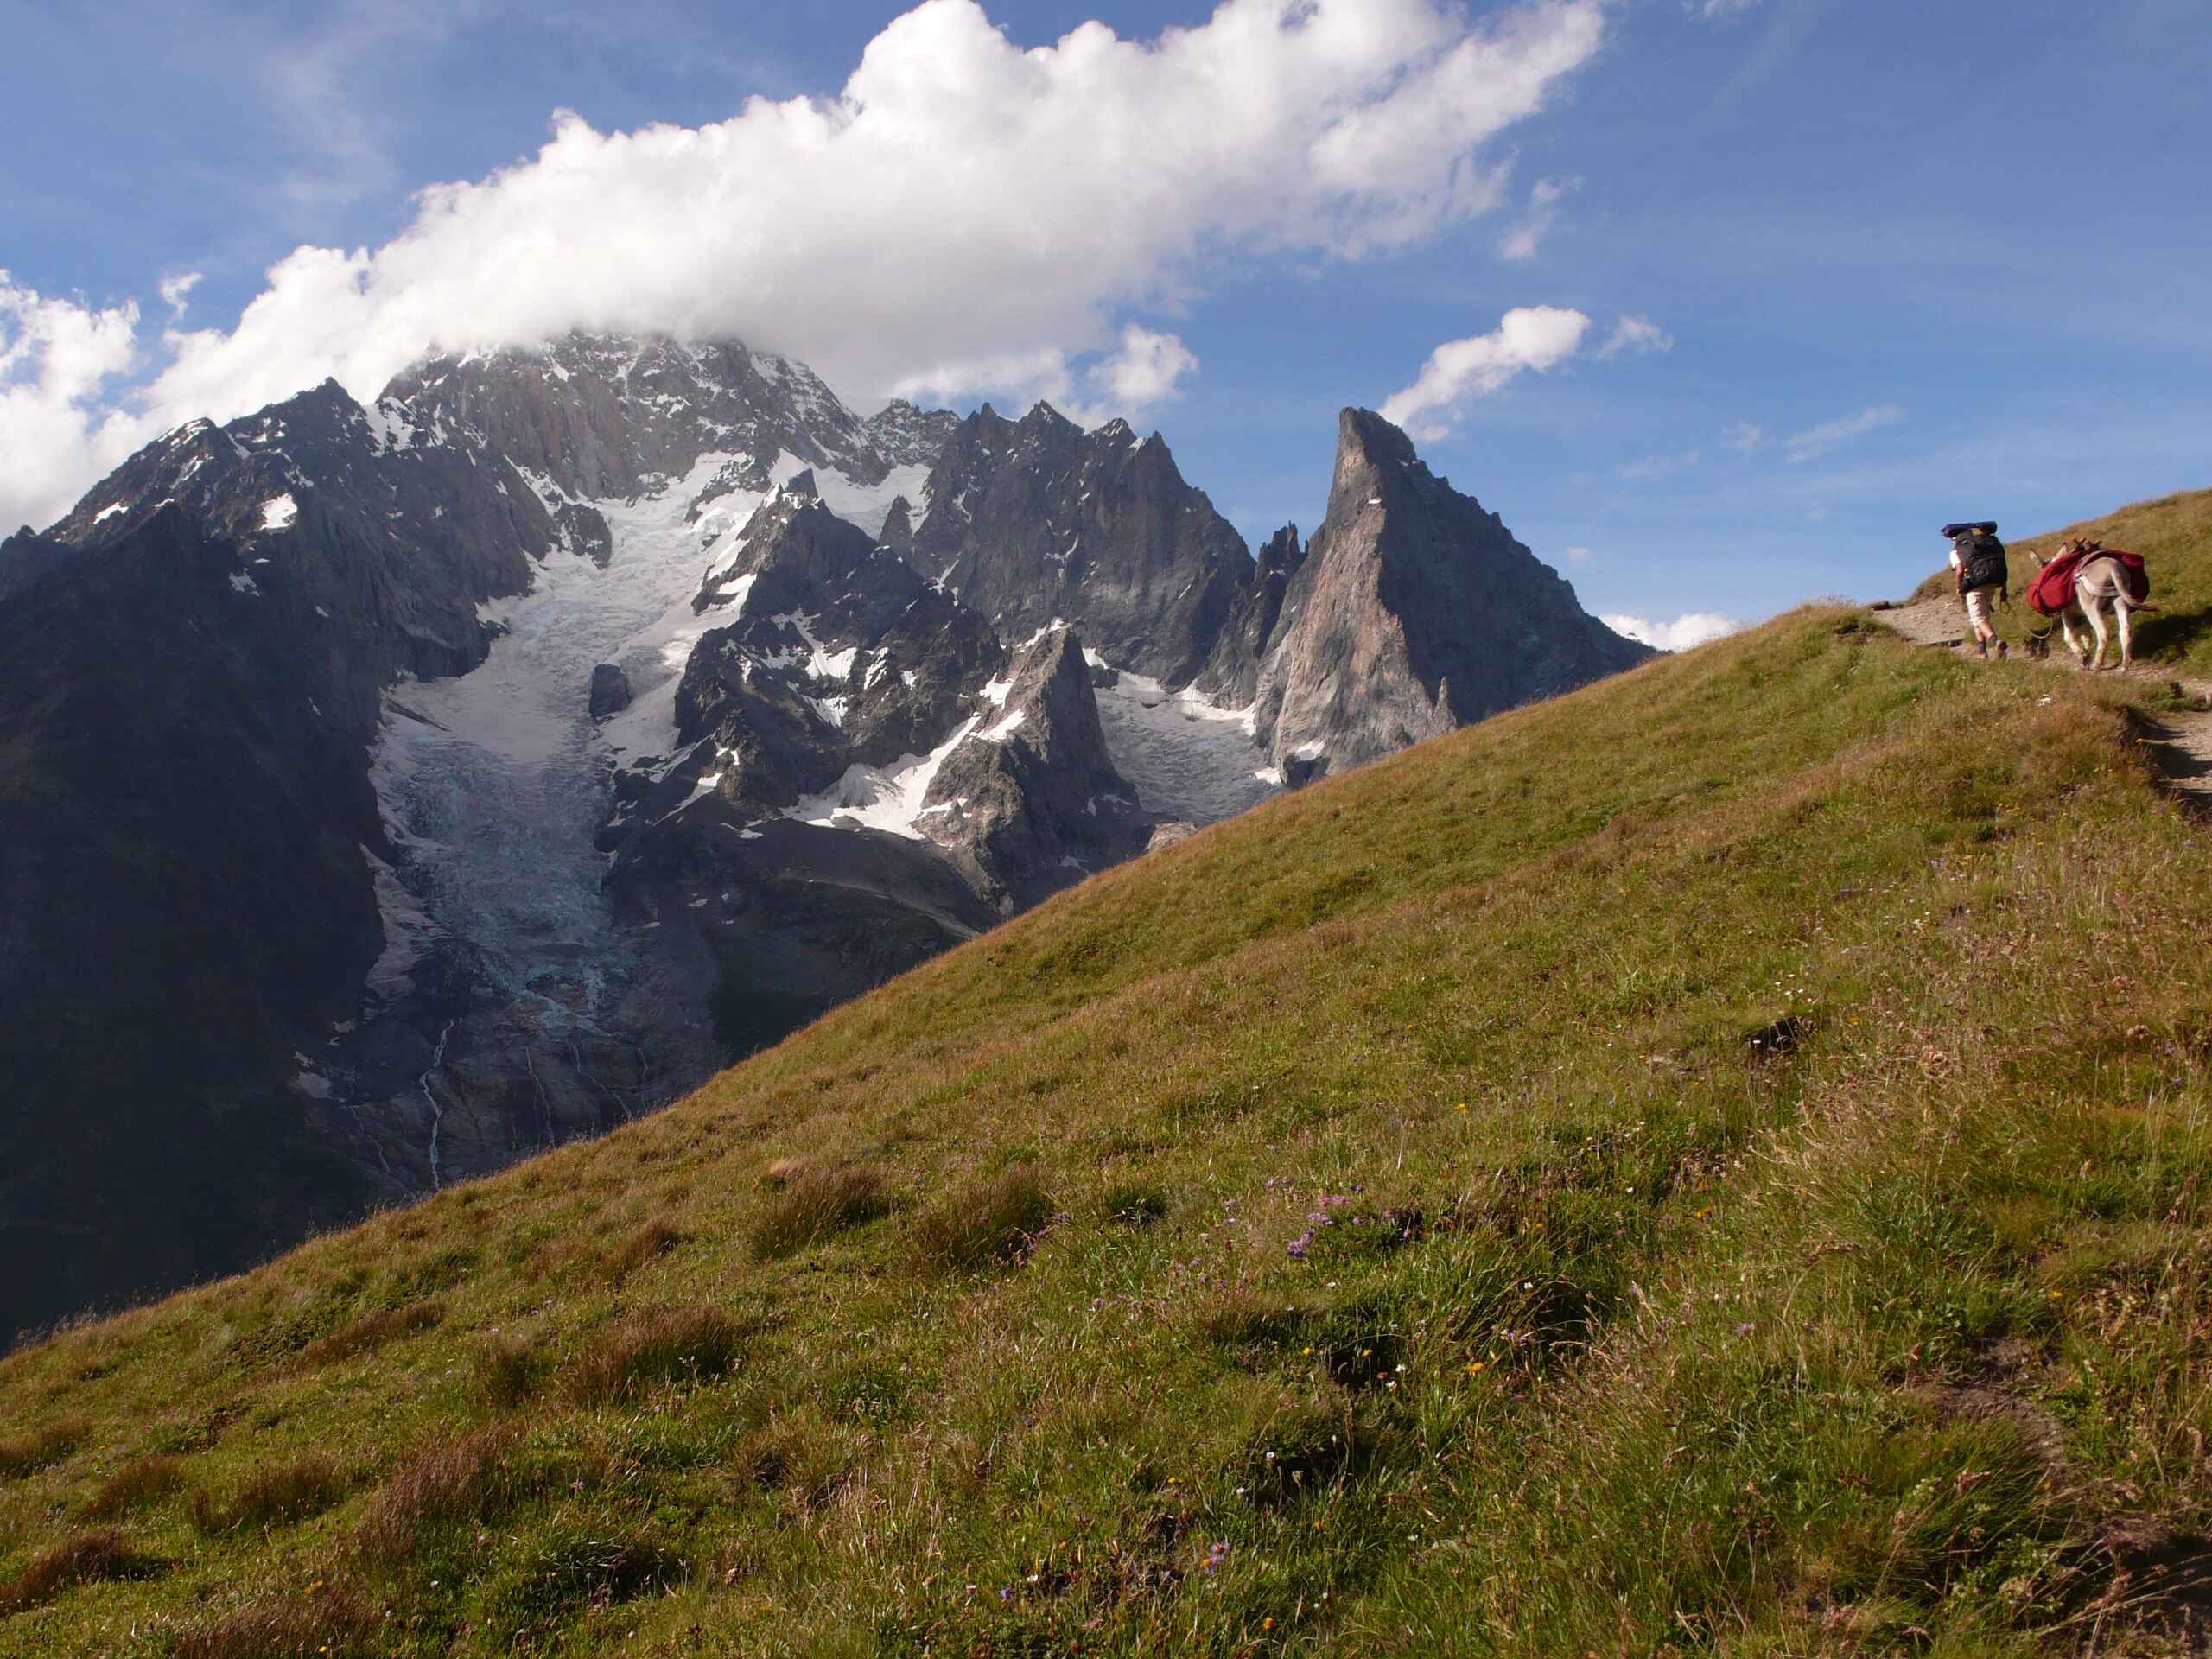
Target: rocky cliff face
[(605, 416), (1036, 521), (187, 827), (1029, 801), (858, 775), (1415, 611)]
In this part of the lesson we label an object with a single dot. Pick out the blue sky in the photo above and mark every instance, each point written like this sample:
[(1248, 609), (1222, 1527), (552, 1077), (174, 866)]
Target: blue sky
[(1907, 262)]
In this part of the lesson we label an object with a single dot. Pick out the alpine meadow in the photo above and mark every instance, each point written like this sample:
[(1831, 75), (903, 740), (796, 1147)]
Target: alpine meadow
[(1148, 829)]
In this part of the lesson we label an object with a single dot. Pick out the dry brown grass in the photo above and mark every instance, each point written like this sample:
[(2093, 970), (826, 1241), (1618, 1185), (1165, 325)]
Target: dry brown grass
[(506, 1371), (88, 1558), (139, 1483), (24, 1454), (815, 1206), (373, 1331), (331, 1621), (987, 1222), (273, 1495), (674, 1344), (473, 1477), (649, 1243)]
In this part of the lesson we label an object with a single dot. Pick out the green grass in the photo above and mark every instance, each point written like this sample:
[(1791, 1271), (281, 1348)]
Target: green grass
[(1714, 1164), (2174, 535)]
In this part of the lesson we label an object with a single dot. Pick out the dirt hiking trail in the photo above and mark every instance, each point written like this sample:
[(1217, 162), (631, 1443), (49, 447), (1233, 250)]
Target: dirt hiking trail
[(2180, 742)]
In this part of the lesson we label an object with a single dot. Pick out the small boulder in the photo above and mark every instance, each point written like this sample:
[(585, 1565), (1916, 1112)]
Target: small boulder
[(610, 690)]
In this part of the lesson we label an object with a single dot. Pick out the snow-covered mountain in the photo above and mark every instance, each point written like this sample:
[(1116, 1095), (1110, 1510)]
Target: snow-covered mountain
[(394, 790)]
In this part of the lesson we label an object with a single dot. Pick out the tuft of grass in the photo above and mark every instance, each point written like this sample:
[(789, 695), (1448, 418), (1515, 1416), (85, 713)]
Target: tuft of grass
[(505, 1370), (334, 1621), (472, 1478), (24, 1454), (814, 1206), (89, 1558), (272, 1495), (1134, 1204), (649, 1243), (577, 1567), (674, 1344), (987, 1222), (373, 1331), (140, 1483)]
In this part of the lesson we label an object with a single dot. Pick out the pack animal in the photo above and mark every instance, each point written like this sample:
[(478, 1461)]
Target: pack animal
[(2084, 584)]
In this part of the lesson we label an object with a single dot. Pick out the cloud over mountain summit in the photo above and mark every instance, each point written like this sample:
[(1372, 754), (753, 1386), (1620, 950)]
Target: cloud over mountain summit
[(963, 216)]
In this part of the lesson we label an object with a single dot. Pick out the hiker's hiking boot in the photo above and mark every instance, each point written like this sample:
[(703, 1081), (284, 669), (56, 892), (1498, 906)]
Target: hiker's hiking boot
[(1982, 645), (2003, 650)]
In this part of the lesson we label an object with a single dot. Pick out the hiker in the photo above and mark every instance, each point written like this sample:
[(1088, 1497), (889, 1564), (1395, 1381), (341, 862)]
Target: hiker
[(1984, 577)]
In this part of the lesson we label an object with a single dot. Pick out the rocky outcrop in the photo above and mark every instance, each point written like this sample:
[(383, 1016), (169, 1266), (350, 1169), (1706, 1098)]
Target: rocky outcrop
[(1415, 611), (856, 779), (898, 531), (1232, 672), (1035, 521), (907, 436), (610, 691), (610, 417), (1029, 800)]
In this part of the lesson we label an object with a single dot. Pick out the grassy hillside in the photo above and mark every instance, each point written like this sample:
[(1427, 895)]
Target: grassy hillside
[(2174, 535), (1714, 1164)]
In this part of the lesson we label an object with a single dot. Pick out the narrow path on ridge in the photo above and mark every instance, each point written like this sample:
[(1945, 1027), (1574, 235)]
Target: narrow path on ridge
[(2182, 740)]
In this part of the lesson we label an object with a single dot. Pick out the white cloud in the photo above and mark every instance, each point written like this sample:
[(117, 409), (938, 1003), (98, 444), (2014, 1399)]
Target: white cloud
[(1743, 437), (1528, 337), (1692, 628), (56, 357), (1637, 334), (1651, 468), (1522, 240), (1714, 10), (1145, 372), (963, 217), (174, 290), (1578, 556), (1818, 441)]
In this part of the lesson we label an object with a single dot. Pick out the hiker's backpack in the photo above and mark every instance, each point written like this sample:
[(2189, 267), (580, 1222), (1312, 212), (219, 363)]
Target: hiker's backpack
[(1981, 563)]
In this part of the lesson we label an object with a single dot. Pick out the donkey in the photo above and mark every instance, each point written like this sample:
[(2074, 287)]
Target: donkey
[(2099, 584)]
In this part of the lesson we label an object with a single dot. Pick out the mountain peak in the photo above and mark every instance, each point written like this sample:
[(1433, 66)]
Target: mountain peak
[(1362, 434), (1413, 611)]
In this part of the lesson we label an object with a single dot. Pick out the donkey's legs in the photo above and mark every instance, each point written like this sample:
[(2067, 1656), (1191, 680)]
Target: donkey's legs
[(2094, 611), (2066, 629), (2126, 631)]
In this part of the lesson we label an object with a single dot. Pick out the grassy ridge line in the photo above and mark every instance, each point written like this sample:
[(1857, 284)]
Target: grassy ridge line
[(2174, 535), (1580, 917)]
